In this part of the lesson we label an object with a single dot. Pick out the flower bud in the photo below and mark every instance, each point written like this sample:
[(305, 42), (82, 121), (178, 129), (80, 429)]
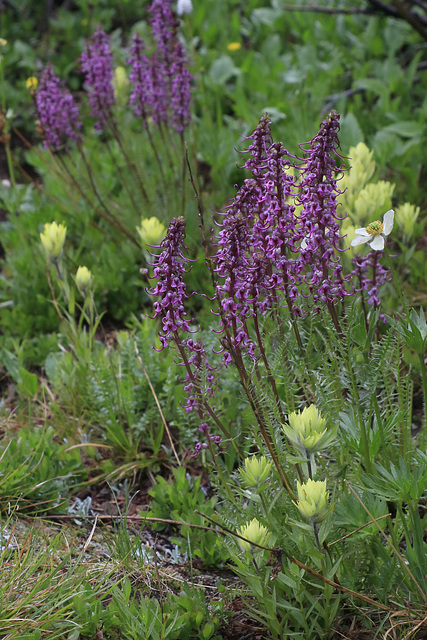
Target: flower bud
[(83, 278), (53, 238), (313, 500), (256, 471), (151, 231), (254, 532)]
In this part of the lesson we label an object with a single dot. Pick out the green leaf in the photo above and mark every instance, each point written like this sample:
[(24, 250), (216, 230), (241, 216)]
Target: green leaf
[(387, 145), (351, 131), (72, 301), (29, 384), (266, 16), (222, 70), (405, 129), (208, 630), (414, 330), (371, 84), (286, 581)]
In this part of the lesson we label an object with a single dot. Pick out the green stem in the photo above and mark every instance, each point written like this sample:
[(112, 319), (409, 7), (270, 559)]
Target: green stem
[(264, 504), (424, 383), (267, 366), (220, 473), (356, 401), (316, 537), (379, 420), (9, 161), (6, 127), (397, 282)]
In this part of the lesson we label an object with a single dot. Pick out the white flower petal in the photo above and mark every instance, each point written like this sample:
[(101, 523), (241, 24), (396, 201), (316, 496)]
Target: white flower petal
[(360, 240), (362, 232), (377, 243), (388, 222), (184, 6)]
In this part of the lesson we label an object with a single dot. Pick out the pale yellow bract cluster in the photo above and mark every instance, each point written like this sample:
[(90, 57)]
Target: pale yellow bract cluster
[(120, 83), (307, 430), (406, 216), (83, 278), (254, 532), (256, 471), (354, 180), (364, 201), (151, 231), (313, 500), (53, 238)]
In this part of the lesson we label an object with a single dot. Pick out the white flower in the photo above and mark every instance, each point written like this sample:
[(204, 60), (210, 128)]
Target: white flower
[(184, 6), (375, 232)]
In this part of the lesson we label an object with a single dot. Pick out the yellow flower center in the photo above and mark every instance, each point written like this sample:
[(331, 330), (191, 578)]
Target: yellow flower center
[(31, 83), (375, 228)]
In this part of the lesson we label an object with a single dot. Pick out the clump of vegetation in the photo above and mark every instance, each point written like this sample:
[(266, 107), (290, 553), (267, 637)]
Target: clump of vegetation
[(213, 361)]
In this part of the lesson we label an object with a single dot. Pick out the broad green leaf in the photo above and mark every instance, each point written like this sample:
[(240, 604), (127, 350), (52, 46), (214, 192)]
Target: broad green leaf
[(223, 70), (405, 129)]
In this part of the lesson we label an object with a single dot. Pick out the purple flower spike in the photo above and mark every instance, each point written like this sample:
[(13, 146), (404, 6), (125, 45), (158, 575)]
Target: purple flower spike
[(319, 220), (240, 258), (160, 83), (140, 77), (258, 149), (170, 77), (97, 65), (150, 94), (234, 265), (169, 269), (180, 88), (276, 227), (57, 112), (202, 373), (163, 27), (257, 241), (370, 275)]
